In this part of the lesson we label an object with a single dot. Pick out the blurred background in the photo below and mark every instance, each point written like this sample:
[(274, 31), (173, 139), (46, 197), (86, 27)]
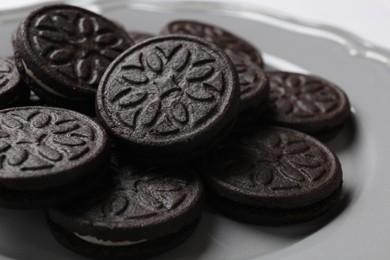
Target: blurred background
[(367, 19)]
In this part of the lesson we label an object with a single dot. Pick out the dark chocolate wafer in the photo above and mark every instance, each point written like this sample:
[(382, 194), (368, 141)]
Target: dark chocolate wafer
[(169, 98), (44, 152), (138, 212), (272, 176), (62, 51), (306, 103)]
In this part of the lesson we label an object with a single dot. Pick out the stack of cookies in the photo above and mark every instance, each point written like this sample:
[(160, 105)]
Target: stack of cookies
[(124, 133)]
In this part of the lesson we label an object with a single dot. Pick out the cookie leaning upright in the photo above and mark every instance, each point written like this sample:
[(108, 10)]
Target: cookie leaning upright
[(48, 155), (62, 51), (169, 98)]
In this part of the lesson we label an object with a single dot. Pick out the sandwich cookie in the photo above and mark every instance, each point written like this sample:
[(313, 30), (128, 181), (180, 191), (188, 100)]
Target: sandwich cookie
[(62, 51), (138, 212), (306, 103), (272, 176), (169, 98), (48, 156)]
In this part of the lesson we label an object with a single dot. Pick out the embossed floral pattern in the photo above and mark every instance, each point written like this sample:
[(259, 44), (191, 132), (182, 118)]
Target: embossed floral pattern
[(250, 75), (77, 44), (270, 160), (134, 193), (168, 88), (150, 193), (245, 58), (41, 140), (300, 96)]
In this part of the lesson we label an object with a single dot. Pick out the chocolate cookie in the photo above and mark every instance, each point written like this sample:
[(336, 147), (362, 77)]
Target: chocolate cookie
[(272, 176), (169, 98), (140, 211), (62, 51), (247, 60), (140, 36), (13, 91), (307, 103), (253, 101), (48, 155)]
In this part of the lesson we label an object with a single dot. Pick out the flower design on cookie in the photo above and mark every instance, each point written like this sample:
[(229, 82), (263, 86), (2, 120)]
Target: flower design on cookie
[(166, 87), (156, 193), (140, 193), (275, 160), (36, 140), (248, 72), (301, 97), (162, 102), (6, 70), (76, 43)]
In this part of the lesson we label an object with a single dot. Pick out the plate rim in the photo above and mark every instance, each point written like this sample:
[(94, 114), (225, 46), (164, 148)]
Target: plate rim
[(355, 45)]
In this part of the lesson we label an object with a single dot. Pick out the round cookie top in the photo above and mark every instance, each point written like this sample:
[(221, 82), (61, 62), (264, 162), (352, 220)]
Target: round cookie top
[(69, 48), (10, 82), (43, 147), (272, 167), (306, 103), (246, 58), (169, 93), (137, 202)]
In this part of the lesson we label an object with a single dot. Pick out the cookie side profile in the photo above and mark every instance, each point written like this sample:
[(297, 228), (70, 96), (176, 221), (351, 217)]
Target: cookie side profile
[(272, 176), (44, 150), (64, 50), (306, 103), (138, 212), (169, 96)]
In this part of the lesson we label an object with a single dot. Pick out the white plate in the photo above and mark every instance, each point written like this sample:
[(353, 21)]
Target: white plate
[(358, 228)]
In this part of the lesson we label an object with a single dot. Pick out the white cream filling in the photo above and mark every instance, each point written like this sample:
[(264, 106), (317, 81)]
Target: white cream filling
[(101, 242), (40, 83)]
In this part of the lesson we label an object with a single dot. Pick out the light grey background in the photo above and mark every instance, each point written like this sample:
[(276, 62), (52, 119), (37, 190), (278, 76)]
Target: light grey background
[(369, 19)]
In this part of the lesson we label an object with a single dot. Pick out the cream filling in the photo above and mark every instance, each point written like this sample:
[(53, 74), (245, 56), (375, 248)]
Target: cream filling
[(40, 83), (101, 242)]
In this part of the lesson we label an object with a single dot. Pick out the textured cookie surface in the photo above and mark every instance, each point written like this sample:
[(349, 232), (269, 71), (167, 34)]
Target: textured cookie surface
[(68, 48), (306, 103), (135, 203), (11, 87), (169, 93), (245, 57), (44, 147), (273, 168)]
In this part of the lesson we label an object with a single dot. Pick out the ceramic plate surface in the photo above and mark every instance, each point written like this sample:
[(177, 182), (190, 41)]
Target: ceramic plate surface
[(358, 228)]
